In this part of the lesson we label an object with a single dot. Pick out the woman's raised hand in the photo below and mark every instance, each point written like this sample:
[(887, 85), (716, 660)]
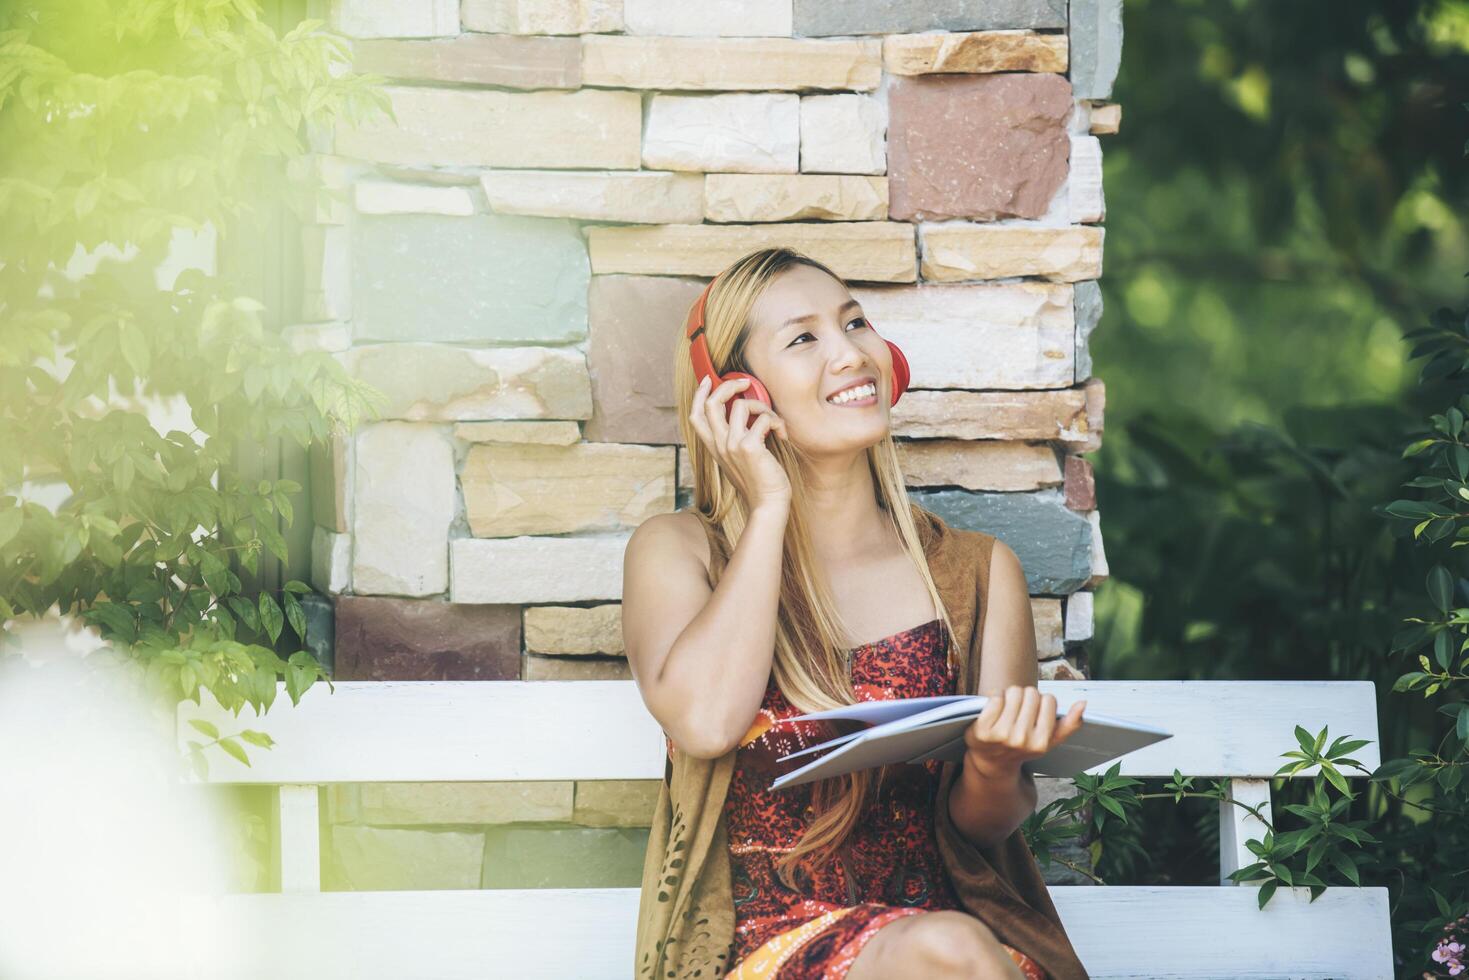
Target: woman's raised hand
[(1017, 725), (739, 446)]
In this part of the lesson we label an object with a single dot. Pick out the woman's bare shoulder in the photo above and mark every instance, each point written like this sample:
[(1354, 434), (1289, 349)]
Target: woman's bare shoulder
[(680, 531)]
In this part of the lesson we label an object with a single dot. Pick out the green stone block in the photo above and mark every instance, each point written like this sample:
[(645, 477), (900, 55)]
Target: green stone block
[(483, 279), (1054, 544), (560, 856)]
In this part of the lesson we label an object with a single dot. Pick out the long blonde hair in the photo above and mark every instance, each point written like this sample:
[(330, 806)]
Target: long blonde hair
[(810, 665)]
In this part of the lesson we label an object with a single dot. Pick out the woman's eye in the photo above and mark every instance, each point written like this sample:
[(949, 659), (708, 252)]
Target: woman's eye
[(860, 319)]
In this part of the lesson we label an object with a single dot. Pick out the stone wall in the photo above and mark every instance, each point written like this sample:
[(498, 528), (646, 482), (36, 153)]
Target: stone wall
[(513, 254)]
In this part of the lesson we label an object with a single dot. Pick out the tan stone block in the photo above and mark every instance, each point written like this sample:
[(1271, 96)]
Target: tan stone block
[(725, 64), (402, 504), (1046, 615), (514, 490), (791, 197), (685, 470), (1079, 616), (328, 468), (390, 197), (466, 803), (979, 51), (538, 668), (991, 415), (708, 18), (441, 382), (574, 630), (978, 465), (380, 859), (746, 132), (873, 251), (542, 16), (616, 802), (331, 561), (479, 59), (1001, 335), (1084, 184), (843, 133), (1106, 118), (588, 128), (520, 433), (647, 197), (1100, 570), (956, 252)]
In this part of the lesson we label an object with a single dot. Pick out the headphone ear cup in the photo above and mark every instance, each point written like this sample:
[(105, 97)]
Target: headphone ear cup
[(755, 391), (900, 372)]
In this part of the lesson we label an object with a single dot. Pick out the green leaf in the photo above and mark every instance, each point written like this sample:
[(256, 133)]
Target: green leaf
[(1266, 890), (235, 749), (1441, 588), (261, 739), (270, 616), (205, 727)]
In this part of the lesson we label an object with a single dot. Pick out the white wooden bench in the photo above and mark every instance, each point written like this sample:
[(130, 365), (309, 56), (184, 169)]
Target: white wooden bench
[(584, 730)]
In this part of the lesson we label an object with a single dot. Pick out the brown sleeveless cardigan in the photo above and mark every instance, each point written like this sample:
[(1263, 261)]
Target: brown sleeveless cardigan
[(686, 910)]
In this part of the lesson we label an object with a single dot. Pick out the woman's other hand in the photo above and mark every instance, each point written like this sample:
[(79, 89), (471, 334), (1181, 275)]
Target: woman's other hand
[(1016, 725)]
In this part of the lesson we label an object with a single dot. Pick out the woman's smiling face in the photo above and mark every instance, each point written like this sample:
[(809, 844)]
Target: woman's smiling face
[(809, 340)]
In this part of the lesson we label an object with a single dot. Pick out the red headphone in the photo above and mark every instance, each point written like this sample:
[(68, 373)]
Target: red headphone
[(704, 367)]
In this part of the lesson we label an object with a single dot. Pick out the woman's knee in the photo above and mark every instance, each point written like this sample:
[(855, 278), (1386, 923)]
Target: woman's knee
[(956, 944)]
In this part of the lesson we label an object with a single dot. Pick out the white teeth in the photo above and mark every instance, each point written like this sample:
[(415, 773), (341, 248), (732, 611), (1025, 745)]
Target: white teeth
[(854, 394)]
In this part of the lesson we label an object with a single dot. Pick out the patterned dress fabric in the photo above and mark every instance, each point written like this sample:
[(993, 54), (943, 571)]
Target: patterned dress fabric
[(891, 866)]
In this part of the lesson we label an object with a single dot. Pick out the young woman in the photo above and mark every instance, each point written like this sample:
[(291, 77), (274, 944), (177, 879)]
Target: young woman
[(797, 583)]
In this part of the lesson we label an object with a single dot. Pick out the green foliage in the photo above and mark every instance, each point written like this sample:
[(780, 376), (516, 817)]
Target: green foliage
[(123, 122)]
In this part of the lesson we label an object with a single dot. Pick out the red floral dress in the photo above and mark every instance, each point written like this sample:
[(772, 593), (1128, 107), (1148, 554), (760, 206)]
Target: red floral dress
[(892, 868)]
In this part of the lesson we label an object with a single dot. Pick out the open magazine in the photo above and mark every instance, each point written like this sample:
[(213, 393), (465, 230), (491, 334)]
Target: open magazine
[(915, 729)]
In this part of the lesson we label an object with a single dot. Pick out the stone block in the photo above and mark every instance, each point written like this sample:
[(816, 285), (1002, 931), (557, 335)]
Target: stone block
[(327, 466), (1052, 543), (1079, 617), (391, 197), (393, 18), (616, 802), (1005, 335), (726, 64), (1106, 118), (1081, 486), (1045, 614), (578, 568), (978, 465), (487, 279), (564, 857), (331, 561), (815, 18), (634, 322), (956, 252), (480, 127), (864, 251), (380, 639), (403, 500), (466, 803), (477, 59), (973, 53), (843, 133), (378, 859), (991, 415), (528, 489), (1096, 46), (739, 18), (1088, 314), (520, 433), (321, 634), (977, 146), (1100, 572), (542, 668), (542, 16), (443, 383), (574, 630), (326, 273), (332, 337), (794, 197), (646, 197), (1087, 202), (738, 131), (1060, 669)]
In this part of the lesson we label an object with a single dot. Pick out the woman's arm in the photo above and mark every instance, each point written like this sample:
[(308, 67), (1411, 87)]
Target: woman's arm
[(702, 657)]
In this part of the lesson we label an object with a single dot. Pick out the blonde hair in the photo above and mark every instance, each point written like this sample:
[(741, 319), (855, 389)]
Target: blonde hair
[(810, 665)]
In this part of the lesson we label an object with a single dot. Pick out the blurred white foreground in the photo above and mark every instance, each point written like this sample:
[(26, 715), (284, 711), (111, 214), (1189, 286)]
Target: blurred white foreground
[(104, 854)]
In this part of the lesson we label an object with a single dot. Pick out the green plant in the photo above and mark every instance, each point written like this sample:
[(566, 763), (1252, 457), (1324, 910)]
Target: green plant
[(122, 122)]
